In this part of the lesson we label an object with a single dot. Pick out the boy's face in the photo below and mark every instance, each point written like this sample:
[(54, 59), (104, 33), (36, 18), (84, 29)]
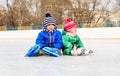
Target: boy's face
[(50, 27)]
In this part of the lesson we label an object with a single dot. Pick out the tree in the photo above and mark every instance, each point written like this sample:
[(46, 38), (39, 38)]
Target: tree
[(21, 11), (118, 6), (34, 7), (16, 13), (56, 8), (2, 16), (118, 3), (25, 12)]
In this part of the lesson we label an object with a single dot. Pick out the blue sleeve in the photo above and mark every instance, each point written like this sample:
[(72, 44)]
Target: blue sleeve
[(58, 43), (40, 41)]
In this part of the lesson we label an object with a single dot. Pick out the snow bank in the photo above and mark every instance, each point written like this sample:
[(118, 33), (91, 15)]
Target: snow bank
[(113, 32), (88, 33)]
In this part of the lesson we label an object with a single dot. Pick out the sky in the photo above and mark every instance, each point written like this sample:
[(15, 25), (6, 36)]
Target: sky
[(3, 2)]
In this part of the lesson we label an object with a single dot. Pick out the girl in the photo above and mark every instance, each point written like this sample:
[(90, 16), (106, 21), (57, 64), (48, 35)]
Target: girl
[(72, 45)]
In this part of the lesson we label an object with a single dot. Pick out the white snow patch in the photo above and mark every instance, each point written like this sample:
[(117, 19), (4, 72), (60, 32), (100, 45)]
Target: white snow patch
[(112, 32)]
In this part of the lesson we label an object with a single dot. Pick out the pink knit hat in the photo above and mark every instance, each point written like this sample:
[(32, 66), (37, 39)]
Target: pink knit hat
[(68, 24)]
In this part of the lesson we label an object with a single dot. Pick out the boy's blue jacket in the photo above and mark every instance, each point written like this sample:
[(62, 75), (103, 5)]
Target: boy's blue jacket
[(50, 39)]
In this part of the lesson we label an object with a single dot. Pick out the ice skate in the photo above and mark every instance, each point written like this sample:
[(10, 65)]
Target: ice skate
[(86, 52), (33, 51), (91, 51), (74, 52)]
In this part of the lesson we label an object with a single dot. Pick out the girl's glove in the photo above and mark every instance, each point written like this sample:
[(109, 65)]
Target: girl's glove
[(74, 47)]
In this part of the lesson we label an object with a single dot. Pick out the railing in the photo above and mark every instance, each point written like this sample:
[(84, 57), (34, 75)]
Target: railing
[(36, 27), (26, 27)]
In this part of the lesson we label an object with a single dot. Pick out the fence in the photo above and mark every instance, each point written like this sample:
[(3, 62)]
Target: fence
[(36, 27), (2, 28), (26, 27)]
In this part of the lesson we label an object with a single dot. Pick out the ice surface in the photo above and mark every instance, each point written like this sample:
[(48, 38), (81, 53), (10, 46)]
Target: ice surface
[(104, 62)]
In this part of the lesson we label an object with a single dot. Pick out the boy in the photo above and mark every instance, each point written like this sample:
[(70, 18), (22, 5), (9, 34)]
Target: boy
[(49, 41), (72, 45)]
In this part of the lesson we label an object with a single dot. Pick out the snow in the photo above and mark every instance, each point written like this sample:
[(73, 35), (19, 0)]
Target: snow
[(82, 32)]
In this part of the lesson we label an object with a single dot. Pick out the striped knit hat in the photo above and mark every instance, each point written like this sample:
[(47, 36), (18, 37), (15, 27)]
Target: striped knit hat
[(49, 20)]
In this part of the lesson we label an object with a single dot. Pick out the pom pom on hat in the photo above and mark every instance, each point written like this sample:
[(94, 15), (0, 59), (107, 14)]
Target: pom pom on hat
[(67, 20), (68, 24), (48, 15)]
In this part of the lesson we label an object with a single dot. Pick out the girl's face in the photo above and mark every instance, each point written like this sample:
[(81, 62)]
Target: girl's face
[(73, 30), (50, 27)]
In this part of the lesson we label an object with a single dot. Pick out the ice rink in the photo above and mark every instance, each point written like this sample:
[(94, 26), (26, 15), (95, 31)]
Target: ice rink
[(104, 62)]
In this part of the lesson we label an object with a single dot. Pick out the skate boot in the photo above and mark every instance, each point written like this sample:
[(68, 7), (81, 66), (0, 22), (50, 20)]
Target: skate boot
[(81, 51), (88, 52), (91, 51), (51, 51), (33, 51), (74, 52)]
